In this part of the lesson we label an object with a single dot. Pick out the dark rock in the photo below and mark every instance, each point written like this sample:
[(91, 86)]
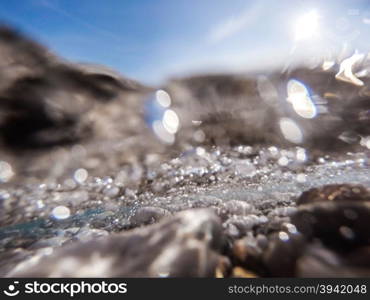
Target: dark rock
[(239, 272), (247, 252), (318, 261), (283, 251), (335, 192), (224, 267), (43, 98), (341, 224), (359, 257), (185, 245), (243, 224)]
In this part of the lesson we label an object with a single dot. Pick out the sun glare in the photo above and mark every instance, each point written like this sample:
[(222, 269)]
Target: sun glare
[(307, 25)]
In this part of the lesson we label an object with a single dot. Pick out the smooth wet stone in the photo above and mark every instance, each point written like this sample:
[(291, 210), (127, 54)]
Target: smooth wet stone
[(341, 225), (282, 211), (239, 272), (282, 253), (318, 261), (359, 257), (223, 267), (148, 215), (185, 245), (206, 201), (247, 252), (11, 258), (335, 192), (234, 207), (244, 224)]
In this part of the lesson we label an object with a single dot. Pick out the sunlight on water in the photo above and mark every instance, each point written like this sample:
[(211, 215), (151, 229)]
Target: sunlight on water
[(170, 121), (6, 171), (299, 97), (163, 98), (346, 69), (291, 130), (163, 120)]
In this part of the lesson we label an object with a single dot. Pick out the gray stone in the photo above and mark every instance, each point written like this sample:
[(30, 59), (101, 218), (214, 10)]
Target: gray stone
[(185, 245)]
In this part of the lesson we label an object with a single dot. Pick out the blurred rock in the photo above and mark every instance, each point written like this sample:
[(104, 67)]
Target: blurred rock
[(282, 253), (148, 215), (318, 261), (339, 224), (185, 245), (335, 192)]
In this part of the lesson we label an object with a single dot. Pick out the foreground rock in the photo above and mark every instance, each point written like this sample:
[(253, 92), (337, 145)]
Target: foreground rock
[(185, 245), (328, 237)]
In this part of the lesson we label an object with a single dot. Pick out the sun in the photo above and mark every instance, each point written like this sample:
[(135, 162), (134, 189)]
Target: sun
[(307, 26)]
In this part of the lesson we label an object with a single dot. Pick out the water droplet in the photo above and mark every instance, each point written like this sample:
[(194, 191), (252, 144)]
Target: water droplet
[(163, 98), (199, 136), (302, 178), (283, 236), (301, 155), (80, 175), (350, 214), (61, 212), (283, 161), (70, 183), (300, 98), (291, 228), (347, 232), (6, 171), (40, 204), (163, 120), (162, 133), (111, 191), (274, 151), (291, 130), (170, 121), (200, 151)]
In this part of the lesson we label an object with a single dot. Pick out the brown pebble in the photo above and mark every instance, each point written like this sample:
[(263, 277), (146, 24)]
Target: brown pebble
[(239, 272), (335, 192), (223, 267), (342, 225)]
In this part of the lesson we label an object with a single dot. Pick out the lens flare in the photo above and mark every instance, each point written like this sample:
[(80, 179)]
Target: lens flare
[(300, 98), (307, 26)]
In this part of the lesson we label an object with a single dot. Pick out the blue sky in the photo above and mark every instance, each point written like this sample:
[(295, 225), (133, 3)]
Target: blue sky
[(152, 40)]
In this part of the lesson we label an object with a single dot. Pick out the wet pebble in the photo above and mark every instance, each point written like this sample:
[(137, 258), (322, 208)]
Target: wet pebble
[(185, 245), (244, 224), (318, 261), (335, 192), (247, 252), (234, 207), (147, 215), (338, 224), (283, 251)]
